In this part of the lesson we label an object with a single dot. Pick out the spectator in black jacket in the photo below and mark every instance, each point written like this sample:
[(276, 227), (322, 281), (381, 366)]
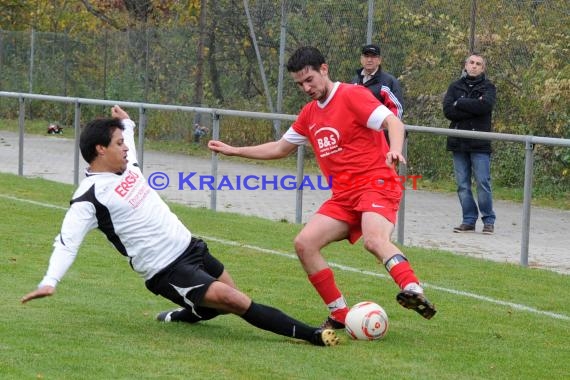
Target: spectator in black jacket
[(468, 103), (383, 85)]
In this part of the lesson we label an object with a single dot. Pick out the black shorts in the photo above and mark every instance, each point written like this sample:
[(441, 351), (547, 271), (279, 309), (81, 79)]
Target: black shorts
[(186, 279)]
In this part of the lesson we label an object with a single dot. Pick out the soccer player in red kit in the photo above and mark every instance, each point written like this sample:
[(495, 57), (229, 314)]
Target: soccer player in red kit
[(342, 123)]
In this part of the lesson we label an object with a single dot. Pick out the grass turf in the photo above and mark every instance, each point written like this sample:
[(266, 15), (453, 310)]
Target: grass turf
[(494, 321)]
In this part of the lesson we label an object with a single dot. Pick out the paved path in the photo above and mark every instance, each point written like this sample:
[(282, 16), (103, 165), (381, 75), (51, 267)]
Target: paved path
[(429, 217)]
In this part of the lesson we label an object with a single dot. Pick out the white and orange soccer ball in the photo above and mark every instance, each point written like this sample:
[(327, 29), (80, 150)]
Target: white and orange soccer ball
[(366, 321)]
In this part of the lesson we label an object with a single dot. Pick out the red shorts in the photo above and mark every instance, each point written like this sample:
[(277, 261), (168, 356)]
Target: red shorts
[(349, 206)]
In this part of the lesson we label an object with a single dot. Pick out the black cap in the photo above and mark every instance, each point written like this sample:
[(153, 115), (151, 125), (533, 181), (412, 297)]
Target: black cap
[(371, 49)]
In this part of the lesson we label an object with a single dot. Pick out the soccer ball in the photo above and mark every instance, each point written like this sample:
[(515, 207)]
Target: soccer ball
[(366, 321)]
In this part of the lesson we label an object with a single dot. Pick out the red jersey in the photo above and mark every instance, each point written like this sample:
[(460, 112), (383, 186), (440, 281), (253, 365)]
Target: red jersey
[(343, 131)]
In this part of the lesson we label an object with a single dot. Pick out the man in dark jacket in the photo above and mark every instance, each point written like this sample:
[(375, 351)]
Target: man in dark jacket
[(383, 85), (469, 103)]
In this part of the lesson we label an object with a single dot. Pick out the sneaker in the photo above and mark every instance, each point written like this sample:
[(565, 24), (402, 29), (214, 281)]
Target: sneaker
[(332, 324), (166, 316), (488, 229), (324, 337), (464, 228), (412, 297)]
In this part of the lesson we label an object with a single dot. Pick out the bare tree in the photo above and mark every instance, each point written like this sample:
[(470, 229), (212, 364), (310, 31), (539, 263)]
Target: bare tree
[(101, 15)]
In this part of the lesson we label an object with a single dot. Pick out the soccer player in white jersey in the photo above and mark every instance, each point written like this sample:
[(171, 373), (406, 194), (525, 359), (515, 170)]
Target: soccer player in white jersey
[(341, 123), (116, 199)]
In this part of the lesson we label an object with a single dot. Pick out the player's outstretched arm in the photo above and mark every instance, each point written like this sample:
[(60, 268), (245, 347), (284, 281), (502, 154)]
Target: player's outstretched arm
[(223, 148), (267, 151), (44, 291)]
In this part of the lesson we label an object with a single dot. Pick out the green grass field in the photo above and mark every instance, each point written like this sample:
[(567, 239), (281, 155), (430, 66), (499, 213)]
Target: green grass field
[(494, 321)]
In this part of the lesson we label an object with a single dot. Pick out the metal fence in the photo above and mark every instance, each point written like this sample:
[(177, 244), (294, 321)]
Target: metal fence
[(236, 61), (423, 44), (217, 115)]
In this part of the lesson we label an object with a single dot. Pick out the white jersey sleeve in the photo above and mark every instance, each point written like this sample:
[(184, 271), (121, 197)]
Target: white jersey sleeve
[(129, 136), (377, 117), (79, 219), (294, 137)]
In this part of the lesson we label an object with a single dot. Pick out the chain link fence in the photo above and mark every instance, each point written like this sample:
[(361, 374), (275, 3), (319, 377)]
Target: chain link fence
[(236, 62)]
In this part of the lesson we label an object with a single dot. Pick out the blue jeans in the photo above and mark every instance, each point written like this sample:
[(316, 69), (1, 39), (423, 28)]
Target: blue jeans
[(479, 165)]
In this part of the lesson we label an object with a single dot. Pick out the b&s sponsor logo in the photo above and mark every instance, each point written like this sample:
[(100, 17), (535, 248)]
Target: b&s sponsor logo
[(327, 140)]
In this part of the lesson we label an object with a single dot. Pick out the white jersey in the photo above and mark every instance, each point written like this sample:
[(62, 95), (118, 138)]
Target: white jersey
[(132, 215)]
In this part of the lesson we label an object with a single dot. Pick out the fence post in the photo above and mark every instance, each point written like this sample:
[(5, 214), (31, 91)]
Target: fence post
[(472, 26), (21, 118), (370, 23), (32, 53), (527, 194), (31, 74), (281, 70), (276, 133), (142, 129), (403, 171), (77, 130), (215, 136)]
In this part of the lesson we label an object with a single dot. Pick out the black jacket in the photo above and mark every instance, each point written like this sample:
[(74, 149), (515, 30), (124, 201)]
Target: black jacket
[(468, 103), (385, 88)]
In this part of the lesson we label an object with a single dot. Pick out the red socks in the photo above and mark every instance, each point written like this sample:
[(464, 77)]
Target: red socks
[(324, 283), (401, 271)]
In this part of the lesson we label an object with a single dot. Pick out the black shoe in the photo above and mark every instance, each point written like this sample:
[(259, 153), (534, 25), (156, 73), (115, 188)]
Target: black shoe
[(166, 316), (186, 315), (489, 229), (324, 337), (464, 228), (417, 302), (332, 324)]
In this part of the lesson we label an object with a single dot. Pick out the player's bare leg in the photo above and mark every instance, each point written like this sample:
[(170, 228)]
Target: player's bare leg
[(318, 233)]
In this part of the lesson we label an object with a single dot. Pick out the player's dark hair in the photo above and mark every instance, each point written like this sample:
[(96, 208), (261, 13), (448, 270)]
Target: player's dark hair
[(97, 132), (303, 57)]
